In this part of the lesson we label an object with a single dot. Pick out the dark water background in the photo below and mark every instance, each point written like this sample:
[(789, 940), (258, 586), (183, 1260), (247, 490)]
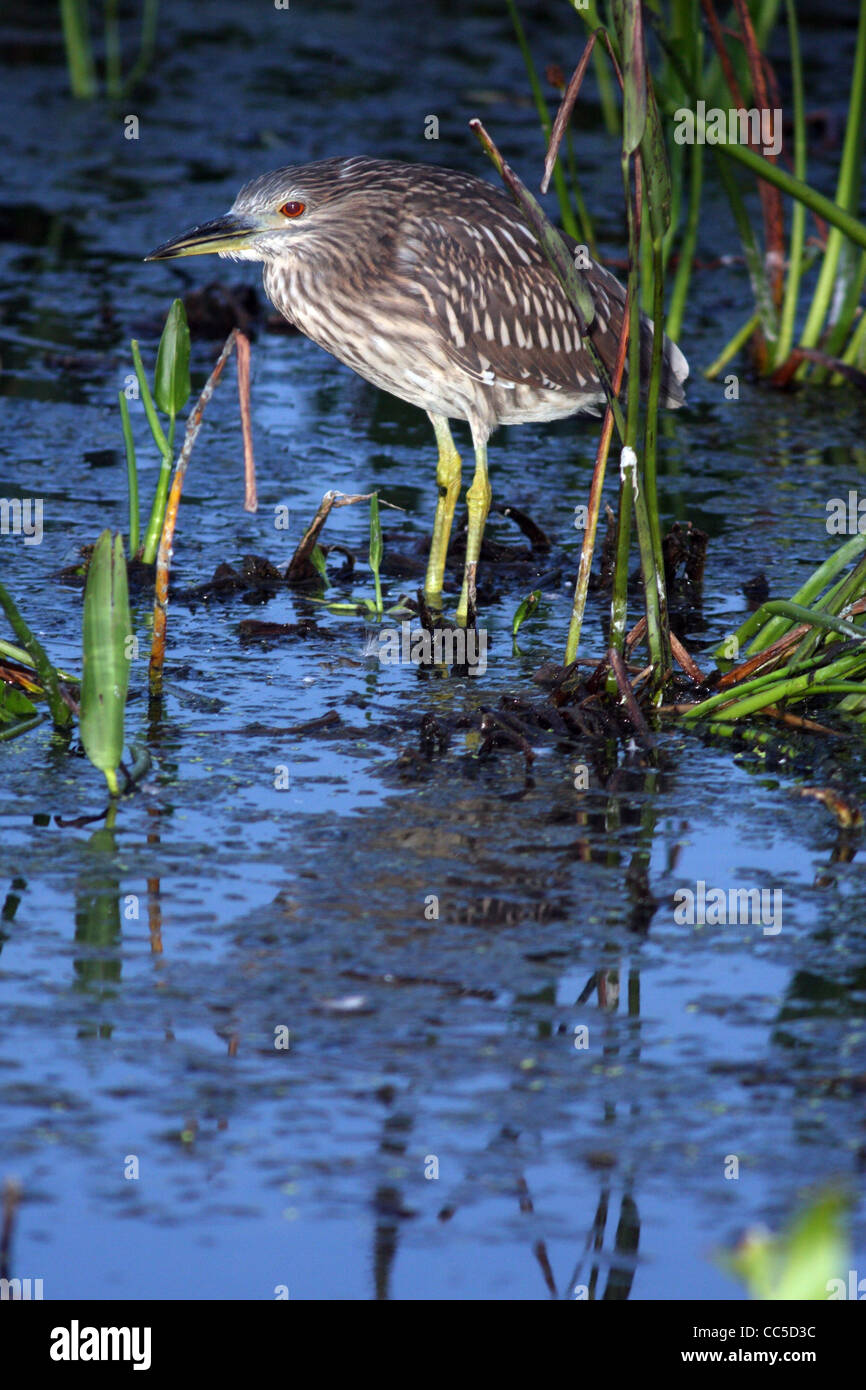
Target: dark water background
[(153, 1035)]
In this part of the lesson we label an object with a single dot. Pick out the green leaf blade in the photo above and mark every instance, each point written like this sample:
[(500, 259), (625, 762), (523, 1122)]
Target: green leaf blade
[(106, 636), (525, 609), (171, 385)]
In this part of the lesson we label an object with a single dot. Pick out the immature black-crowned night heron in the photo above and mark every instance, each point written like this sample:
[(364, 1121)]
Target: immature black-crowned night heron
[(429, 284)]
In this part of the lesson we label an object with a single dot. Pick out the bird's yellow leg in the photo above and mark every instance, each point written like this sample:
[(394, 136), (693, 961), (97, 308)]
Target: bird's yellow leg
[(448, 472), (477, 505)]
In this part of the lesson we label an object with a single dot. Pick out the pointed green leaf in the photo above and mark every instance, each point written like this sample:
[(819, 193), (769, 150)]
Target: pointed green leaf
[(657, 172), (628, 18), (317, 560), (376, 548), (525, 609), (171, 384), (375, 535), (106, 656)]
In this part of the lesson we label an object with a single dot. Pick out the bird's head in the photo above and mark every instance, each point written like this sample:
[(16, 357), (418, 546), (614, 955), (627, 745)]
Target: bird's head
[(287, 212)]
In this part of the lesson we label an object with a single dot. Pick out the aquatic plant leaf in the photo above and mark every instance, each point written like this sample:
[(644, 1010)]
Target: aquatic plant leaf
[(375, 535), (317, 560), (171, 383), (628, 18), (524, 610), (60, 711), (656, 168), (106, 656), (14, 704), (802, 1263)]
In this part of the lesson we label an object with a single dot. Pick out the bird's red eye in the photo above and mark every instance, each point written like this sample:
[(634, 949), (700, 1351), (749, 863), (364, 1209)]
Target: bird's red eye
[(292, 209)]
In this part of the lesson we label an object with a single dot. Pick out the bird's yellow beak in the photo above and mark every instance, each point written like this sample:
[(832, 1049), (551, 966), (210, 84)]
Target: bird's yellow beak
[(228, 233)]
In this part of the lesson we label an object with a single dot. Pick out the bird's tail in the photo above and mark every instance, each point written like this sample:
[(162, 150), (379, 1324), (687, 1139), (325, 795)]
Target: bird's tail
[(675, 368), (609, 297)]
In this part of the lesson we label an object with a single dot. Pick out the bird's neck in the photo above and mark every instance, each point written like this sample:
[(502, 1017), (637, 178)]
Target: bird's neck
[(302, 285)]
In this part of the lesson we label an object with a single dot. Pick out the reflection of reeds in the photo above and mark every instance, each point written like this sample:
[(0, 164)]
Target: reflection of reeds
[(12, 1193)]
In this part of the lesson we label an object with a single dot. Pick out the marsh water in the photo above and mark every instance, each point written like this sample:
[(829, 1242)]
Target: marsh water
[(333, 1006)]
